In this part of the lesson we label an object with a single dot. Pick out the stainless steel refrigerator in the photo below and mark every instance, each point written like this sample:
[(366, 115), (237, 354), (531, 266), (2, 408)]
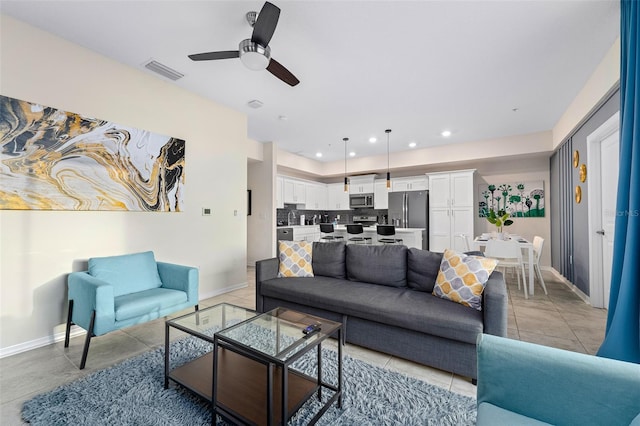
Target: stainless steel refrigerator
[(410, 209)]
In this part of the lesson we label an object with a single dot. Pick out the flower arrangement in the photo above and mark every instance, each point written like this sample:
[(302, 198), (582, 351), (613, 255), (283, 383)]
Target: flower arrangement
[(499, 219)]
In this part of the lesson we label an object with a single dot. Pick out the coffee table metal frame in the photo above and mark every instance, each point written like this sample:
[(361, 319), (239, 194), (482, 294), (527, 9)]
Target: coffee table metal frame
[(192, 375), (283, 359)]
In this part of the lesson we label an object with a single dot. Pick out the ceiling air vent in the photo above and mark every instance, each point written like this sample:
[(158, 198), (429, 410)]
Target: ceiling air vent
[(163, 70)]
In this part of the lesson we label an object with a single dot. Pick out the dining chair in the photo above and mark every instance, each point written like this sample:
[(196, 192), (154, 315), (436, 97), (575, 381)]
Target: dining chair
[(466, 239), (387, 232), (538, 243), (327, 230), (509, 255), (357, 230)]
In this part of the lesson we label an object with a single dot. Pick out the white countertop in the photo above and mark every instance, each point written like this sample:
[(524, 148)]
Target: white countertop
[(344, 227)]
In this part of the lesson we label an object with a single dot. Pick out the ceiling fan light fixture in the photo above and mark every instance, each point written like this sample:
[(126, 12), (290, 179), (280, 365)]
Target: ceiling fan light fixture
[(254, 56)]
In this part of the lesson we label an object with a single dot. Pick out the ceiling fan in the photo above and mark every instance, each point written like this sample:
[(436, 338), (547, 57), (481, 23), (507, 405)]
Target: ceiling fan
[(255, 52)]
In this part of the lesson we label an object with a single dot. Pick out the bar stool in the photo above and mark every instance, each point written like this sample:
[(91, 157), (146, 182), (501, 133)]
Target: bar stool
[(326, 229), (356, 230), (388, 231)]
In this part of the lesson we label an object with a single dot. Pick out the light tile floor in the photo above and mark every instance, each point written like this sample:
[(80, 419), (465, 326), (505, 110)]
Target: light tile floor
[(559, 319)]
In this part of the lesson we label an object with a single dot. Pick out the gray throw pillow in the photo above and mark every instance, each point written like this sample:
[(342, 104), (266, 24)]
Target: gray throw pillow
[(329, 259), (385, 264), (422, 269)]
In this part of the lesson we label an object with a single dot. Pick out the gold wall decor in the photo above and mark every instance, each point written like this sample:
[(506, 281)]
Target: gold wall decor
[(578, 194), (576, 158), (57, 160), (583, 172)]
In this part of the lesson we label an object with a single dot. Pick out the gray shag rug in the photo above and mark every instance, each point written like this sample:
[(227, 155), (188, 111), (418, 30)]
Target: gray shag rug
[(132, 393)]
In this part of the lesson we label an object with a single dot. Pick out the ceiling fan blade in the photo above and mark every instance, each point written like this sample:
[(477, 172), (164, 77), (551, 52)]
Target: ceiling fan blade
[(209, 56), (265, 25), (282, 73)]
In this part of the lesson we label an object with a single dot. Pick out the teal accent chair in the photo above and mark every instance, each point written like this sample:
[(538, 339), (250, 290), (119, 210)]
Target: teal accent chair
[(522, 383), (120, 291)]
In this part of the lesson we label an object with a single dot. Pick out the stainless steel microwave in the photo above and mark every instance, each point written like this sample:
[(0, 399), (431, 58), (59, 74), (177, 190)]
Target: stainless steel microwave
[(361, 201)]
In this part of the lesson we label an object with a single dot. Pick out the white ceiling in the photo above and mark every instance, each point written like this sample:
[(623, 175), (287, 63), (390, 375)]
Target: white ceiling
[(417, 67)]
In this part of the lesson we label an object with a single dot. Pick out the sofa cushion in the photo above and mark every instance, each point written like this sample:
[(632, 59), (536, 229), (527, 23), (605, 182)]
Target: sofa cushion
[(462, 278), (148, 302), (489, 414), (401, 307), (295, 259), (422, 269), (384, 264), (128, 273), (329, 259)]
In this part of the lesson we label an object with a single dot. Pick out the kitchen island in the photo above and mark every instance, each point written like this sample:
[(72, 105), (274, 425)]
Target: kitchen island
[(411, 237)]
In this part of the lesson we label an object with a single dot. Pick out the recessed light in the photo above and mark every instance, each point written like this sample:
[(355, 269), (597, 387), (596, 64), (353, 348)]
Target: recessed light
[(283, 117), (515, 109), (412, 144), (352, 154), (373, 139), (446, 134), (318, 154)]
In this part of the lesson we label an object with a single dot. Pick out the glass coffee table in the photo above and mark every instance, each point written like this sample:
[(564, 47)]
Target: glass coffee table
[(197, 374), (250, 379)]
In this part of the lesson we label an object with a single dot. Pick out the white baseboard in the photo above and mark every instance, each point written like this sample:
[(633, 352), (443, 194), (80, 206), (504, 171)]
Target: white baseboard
[(42, 341), (569, 284), (78, 331)]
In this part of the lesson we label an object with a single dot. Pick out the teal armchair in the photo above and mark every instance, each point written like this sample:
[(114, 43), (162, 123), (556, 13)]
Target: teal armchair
[(522, 383), (120, 291)]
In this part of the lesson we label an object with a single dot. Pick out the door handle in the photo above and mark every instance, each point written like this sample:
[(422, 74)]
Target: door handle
[(601, 232)]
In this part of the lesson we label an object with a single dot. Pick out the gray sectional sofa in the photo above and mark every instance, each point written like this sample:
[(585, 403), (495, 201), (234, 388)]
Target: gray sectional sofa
[(382, 296)]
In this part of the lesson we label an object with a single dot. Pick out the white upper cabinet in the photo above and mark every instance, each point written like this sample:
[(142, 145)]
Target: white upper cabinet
[(279, 192), (381, 194), (316, 196), (412, 183), (361, 184), (337, 199), (294, 191), (450, 209)]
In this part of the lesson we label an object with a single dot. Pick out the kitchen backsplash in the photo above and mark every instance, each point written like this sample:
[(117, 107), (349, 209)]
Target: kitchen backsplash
[(346, 216)]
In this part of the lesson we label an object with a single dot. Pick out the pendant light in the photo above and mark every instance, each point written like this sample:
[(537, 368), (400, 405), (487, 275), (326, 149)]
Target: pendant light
[(388, 173), (346, 180)]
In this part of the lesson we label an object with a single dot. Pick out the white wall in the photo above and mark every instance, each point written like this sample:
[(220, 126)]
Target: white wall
[(261, 225), (39, 248), (605, 77)]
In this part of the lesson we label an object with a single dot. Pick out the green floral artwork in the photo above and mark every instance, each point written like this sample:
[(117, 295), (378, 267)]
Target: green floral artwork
[(519, 199)]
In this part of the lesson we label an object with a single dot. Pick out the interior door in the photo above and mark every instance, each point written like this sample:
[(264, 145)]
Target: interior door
[(609, 164)]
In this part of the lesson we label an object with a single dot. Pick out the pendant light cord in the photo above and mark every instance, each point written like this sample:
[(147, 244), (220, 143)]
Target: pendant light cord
[(388, 172)]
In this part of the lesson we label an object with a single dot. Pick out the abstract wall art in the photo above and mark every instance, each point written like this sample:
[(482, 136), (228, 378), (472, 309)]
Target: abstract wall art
[(56, 160), (519, 199)]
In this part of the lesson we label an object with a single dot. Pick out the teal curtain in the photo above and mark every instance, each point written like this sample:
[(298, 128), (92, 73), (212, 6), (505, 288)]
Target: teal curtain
[(622, 339)]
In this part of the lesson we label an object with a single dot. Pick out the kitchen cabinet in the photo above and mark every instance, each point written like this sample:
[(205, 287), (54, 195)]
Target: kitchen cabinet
[(279, 192), (294, 191), (451, 209), (306, 233), (361, 184), (380, 194), (412, 183), (316, 196), (337, 199)]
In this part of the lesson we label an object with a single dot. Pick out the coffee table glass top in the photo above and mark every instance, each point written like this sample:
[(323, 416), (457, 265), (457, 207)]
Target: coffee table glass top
[(205, 322), (279, 333)]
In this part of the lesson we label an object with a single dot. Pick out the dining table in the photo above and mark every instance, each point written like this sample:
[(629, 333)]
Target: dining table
[(479, 243)]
